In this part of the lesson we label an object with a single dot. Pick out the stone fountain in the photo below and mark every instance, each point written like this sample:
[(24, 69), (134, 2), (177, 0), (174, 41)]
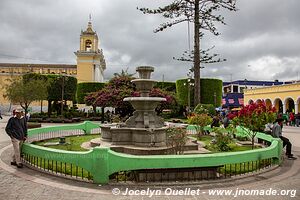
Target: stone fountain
[(144, 133), (144, 128)]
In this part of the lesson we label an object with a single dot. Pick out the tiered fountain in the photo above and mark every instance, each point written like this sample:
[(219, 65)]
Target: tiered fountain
[(144, 132)]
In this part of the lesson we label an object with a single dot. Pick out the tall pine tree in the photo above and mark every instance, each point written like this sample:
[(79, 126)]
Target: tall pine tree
[(204, 14)]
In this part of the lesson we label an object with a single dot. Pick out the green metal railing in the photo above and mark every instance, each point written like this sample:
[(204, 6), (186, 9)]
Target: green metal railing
[(100, 163)]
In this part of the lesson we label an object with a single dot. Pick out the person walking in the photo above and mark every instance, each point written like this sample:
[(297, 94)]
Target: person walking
[(226, 121), (292, 119), (277, 133), (215, 122), (297, 119), (16, 128)]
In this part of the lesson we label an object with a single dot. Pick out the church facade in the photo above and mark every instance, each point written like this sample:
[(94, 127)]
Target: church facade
[(90, 64), (90, 60)]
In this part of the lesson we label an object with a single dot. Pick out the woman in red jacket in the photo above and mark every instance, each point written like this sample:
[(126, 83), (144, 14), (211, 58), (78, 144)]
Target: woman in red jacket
[(292, 119)]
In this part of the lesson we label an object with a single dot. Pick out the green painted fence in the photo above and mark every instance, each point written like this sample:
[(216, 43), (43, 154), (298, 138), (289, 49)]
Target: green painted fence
[(101, 162), (86, 126)]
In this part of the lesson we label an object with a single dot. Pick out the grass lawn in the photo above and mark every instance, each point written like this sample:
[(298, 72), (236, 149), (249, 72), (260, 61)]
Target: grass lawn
[(206, 139), (72, 143), (235, 147)]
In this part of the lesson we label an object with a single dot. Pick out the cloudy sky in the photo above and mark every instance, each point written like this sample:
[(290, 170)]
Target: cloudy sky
[(260, 41)]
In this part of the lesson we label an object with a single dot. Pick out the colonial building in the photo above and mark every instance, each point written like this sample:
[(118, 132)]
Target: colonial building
[(233, 92), (239, 86), (90, 64), (285, 98), (90, 59)]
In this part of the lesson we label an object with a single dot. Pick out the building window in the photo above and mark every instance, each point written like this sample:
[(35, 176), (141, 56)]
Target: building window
[(242, 89), (235, 88), (226, 90), (88, 45)]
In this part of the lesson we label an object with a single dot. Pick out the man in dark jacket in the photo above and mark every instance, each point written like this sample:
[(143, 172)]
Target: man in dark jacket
[(16, 128), (277, 133)]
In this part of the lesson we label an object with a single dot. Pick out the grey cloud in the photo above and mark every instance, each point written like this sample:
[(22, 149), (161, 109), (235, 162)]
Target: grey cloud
[(48, 31)]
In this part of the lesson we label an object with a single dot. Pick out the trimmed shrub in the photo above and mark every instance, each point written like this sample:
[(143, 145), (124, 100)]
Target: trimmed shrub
[(31, 125), (83, 89), (182, 91), (209, 87)]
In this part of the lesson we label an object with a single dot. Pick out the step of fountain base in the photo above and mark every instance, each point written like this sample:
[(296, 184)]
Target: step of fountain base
[(191, 147)]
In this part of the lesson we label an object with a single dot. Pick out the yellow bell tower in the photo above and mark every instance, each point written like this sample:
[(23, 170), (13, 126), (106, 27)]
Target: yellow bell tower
[(90, 60)]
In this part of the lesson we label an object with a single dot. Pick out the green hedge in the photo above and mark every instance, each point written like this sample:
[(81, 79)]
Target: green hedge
[(167, 86), (208, 88), (84, 88), (182, 92)]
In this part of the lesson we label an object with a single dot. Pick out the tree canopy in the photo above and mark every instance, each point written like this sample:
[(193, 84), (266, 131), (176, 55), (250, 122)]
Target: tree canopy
[(120, 87), (25, 91), (204, 14)]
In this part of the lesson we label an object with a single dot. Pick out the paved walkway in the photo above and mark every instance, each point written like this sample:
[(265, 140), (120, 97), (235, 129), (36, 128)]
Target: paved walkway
[(28, 184)]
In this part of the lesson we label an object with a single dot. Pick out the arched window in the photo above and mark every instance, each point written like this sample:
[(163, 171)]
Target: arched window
[(88, 45)]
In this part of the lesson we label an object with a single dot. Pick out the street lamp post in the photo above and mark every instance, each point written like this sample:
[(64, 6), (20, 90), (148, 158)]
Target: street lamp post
[(62, 94), (215, 99), (189, 84), (189, 92)]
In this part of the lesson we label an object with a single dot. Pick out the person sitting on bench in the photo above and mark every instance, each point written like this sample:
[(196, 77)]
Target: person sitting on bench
[(277, 133)]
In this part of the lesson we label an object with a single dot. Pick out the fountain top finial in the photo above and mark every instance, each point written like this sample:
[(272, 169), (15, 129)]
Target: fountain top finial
[(145, 71)]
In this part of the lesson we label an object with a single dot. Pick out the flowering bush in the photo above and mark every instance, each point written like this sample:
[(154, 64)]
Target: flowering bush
[(113, 94), (168, 104), (90, 100), (222, 139), (120, 87), (200, 120), (176, 138), (253, 118)]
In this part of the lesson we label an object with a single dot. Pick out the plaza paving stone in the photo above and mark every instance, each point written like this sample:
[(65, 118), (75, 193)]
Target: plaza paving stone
[(29, 184)]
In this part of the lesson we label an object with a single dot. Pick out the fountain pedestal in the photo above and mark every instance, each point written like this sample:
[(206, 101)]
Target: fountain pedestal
[(144, 128), (144, 132)]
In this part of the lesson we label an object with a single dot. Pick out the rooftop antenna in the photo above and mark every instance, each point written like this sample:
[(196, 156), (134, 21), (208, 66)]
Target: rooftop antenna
[(90, 17)]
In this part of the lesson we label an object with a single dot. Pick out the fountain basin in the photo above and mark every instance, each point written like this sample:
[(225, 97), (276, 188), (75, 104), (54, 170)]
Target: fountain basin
[(144, 86), (144, 103), (134, 136), (144, 129), (145, 71)]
